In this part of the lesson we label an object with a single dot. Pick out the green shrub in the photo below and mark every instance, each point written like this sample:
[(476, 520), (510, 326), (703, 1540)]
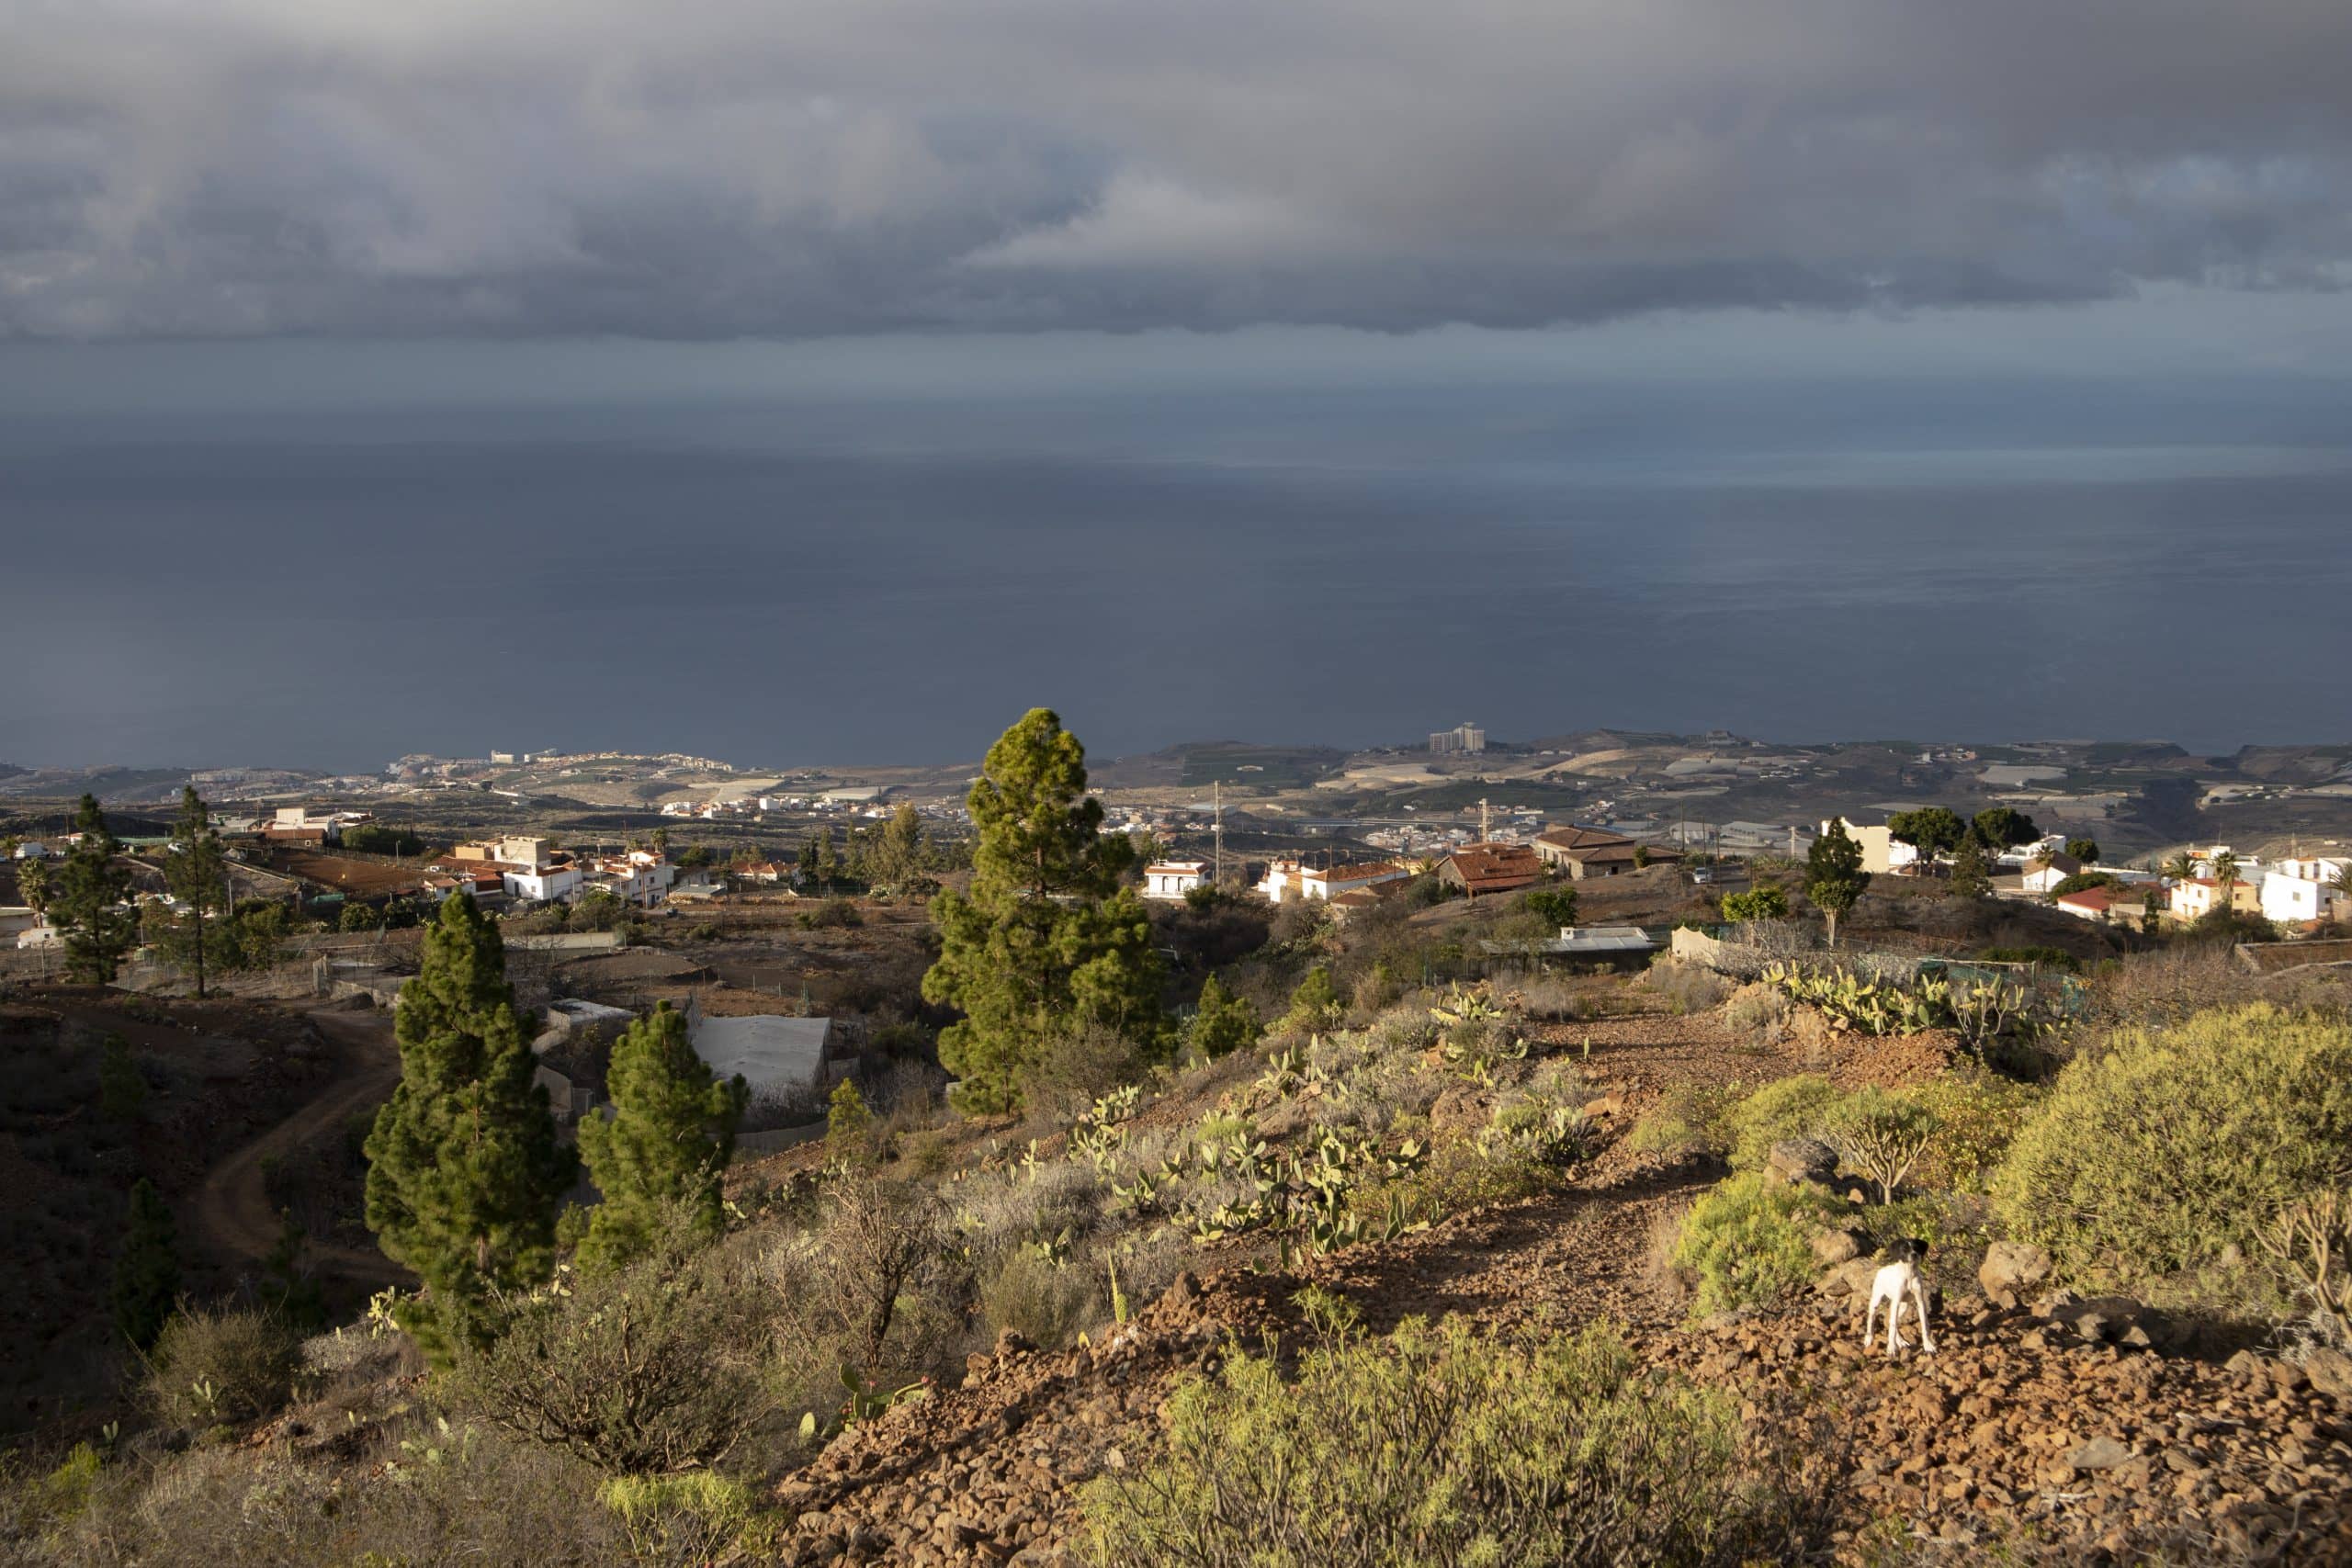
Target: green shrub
[(1443, 1445), (1981, 1113), (1553, 906), (212, 1367), (1882, 1135), (1223, 1024), (1688, 1119), (1762, 902), (1796, 1107), (846, 1116), (1315, 1006), (2170, 1150), (1748, 1243), (696, 1518)]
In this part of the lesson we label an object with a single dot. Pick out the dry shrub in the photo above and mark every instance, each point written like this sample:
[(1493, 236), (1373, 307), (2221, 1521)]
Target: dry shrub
[(1551, 999), (1687, 987), (1047, 1303), (225, 1365), (663, 1367), (879, 1238), (1758, 1011), (1077, 1067), (428, 1493)]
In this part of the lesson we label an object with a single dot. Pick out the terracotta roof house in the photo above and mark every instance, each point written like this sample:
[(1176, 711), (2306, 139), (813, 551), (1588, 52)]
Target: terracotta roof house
[(1483, 869), (1594, 852), (2107, 905)]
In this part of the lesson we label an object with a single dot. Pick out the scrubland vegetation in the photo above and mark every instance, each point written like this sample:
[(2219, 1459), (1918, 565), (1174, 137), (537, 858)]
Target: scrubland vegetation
[(1144, 1101)]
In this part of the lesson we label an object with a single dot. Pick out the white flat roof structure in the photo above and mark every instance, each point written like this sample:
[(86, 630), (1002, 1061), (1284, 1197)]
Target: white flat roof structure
[(770, 1051)]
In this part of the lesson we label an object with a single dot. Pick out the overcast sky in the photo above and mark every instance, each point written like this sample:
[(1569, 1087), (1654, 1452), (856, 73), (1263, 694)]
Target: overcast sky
[(452, 169)]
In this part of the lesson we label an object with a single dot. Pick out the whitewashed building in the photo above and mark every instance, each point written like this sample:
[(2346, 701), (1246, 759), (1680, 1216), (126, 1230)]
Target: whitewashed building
[(1171, 880)]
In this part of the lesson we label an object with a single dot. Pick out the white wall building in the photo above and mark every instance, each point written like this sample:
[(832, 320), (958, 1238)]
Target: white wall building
[(1171, 880), (541, 883), (1288, 879), (2292, 896)]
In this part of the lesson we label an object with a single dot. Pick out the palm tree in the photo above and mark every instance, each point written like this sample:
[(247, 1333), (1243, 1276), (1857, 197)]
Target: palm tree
[(2182, 867), (2225, 867)]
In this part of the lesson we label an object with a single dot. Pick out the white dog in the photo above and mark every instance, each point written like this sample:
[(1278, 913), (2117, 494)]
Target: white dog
[(1897, 1284)]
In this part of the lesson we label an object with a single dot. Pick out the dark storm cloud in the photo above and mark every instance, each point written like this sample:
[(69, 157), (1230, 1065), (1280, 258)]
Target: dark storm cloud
[(719, 167)]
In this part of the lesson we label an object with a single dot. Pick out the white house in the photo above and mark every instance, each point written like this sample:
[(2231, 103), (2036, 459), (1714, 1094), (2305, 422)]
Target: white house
[(1287, 879), (541, 883), (2047, 870), (1172, 879), (2292, 896)]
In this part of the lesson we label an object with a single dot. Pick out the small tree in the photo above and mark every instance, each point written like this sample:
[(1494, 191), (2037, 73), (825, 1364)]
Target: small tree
[(879, 1236), (1766, 902), (1972, 870), (1223, 1024), (196, 870), (147, 1270), (1881, 1137), (464, 1170), (900, 853), (122, 1088), (1998, 828), (1933, 831), (89, 900), (659, 1155), (1048, 942), (1834, 877), (2084, 850), (1316, 1005), (847, 1119), (1553, 906)]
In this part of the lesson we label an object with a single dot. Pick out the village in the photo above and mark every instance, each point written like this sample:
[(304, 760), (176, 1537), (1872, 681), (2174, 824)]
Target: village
[(1495, 1031)]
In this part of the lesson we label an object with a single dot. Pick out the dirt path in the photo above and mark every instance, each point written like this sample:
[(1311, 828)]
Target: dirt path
[(232, 1210)]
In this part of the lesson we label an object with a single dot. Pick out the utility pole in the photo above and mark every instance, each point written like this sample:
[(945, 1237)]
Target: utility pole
[(1216, 832)]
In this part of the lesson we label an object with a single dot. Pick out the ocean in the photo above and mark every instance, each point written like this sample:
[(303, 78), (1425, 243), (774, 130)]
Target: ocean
[(820, 583)]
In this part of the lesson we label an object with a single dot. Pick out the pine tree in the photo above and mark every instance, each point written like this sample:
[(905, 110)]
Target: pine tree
[(900, 854), (1834, 877), (1223, 1024), (1315, 1004), (1972, 870), (846, 1116), (147, 1270), (828, 864), (88, 900), (1046, 939), (197, 872), (464, 1171), (671, 1131)]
